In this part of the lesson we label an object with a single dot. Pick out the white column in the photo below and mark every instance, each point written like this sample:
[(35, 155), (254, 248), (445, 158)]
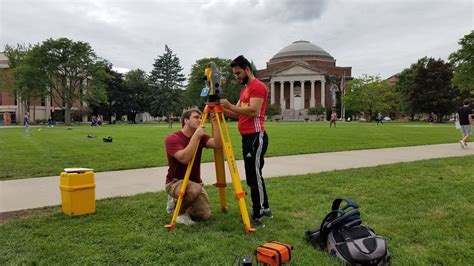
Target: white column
[(302, 94), (323, 93), (311, 100), (292, 92), (282, 96), (272, 92)]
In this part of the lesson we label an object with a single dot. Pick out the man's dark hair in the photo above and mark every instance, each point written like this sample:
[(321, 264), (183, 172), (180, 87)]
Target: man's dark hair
[(241, 62), (466, 101), (187, 114)]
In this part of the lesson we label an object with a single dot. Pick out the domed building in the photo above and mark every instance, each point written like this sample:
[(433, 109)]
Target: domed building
[(303, 75)]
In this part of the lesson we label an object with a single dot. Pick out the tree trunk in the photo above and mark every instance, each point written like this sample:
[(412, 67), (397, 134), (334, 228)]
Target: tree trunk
[(67, 114)]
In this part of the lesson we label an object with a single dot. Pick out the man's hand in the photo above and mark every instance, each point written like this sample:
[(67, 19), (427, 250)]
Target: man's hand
[(199, 132), (225, 103)]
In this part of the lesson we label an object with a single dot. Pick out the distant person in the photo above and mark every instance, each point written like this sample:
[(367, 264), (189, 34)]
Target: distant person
[(93, 121), (379, 119), (170, 121), (431, 118), (464, 116), (99, 120), (26, 123), (250, 110), (180, 148), (50, 122), (333, 119)]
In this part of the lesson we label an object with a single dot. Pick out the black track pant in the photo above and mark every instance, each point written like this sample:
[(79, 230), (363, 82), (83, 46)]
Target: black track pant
[(254, 147)]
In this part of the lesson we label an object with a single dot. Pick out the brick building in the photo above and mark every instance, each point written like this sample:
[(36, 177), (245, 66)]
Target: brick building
[(12, 109), (303, 75)]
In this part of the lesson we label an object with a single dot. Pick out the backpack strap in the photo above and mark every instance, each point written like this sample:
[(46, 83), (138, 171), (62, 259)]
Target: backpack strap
[(349, 203)]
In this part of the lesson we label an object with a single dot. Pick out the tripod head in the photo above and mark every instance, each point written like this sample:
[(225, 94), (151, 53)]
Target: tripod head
[(214, 80)]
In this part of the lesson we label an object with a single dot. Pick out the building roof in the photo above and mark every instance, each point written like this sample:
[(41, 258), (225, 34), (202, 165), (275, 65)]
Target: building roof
[(4, 61), (301, 49)]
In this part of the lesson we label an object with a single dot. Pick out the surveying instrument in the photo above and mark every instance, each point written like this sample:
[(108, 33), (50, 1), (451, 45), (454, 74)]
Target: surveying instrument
[(212, 91)]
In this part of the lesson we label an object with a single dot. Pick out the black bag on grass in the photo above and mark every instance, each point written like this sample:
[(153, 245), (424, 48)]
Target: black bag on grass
[(343, 236)]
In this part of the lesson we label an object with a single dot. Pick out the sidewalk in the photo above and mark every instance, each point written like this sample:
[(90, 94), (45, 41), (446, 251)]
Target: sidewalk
[(39, 192)]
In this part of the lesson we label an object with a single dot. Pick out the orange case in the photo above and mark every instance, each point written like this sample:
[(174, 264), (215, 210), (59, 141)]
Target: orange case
[(274, 253)]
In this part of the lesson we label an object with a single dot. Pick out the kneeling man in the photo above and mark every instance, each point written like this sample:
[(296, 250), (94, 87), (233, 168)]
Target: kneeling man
[(180, 147)]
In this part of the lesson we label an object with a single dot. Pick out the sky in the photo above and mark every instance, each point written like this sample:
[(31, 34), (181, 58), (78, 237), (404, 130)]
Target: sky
[(373, 37)]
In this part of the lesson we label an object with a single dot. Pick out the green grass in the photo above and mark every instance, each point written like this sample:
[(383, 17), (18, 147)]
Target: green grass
[(424, 209), (47, 152)]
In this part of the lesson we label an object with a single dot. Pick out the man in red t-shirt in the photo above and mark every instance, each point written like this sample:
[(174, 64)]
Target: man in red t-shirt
[(250, 110), (180, 147)]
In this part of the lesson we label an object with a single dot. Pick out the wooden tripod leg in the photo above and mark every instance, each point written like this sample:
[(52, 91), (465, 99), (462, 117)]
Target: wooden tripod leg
[(234, 172), (185, 180), (220, 176)]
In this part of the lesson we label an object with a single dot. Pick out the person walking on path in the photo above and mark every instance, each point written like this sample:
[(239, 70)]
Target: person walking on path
[(26, 123), (464, 117), (180, 148), (250, 110), (333, 119)]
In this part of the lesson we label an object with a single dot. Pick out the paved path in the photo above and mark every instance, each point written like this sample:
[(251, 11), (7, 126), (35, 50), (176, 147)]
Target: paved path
[(39, 192)]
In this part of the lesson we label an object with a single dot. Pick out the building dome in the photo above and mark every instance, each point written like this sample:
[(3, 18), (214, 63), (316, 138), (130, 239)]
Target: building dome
[(301, 49)]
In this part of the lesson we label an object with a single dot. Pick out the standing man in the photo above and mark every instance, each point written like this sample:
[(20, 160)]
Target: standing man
[(26, 123), (180, 148), (250, 110), (464, 116), (333, 119)]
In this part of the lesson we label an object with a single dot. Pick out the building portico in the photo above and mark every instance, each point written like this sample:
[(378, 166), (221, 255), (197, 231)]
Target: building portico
[(302, 76)]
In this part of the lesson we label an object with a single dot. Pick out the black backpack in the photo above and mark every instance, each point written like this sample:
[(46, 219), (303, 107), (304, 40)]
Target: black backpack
[(343, 236)]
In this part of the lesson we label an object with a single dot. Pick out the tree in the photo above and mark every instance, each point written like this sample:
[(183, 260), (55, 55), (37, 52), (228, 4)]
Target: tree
[(403, 87), (371, 95), (432, 90), (27, 80), (463, 64), (138, 93), (273, 110), (166, 81), (231, 88), (74, 72), (116, 95)]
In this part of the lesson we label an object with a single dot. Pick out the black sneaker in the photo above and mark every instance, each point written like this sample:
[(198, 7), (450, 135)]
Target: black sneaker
[(267, 213), (257, 221)]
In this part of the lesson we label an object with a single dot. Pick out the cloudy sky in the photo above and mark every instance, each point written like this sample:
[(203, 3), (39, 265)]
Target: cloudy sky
[(374, 37)]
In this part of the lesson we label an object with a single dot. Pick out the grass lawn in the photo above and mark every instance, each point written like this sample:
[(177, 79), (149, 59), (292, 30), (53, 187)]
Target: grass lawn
[(49, 150), (424, 210)]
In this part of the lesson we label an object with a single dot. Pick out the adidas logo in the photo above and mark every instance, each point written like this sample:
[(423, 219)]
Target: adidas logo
[(249, 155)]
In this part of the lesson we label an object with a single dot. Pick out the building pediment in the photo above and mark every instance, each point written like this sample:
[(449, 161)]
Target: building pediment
[(298, 68)]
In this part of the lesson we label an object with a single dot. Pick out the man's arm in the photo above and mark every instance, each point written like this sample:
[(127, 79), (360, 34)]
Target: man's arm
[(253, 110), (185, 155), (215, 142)]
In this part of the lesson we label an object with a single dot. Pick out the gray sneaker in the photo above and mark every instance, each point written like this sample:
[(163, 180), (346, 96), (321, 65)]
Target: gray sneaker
[(257, 222), (171, 204), (267, 213), (462, 144)]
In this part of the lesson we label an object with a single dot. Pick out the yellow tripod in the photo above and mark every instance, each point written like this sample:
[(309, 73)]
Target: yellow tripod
[(220, 171)]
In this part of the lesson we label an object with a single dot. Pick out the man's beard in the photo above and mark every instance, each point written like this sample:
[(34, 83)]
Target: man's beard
[(245, 80)]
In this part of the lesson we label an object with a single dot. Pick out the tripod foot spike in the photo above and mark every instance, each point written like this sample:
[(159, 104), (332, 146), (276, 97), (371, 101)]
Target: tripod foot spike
[(170, 227)]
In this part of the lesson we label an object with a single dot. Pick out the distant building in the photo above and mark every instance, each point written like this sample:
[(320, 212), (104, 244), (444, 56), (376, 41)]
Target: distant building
[(12, 107), (394, 79), (303, 75)]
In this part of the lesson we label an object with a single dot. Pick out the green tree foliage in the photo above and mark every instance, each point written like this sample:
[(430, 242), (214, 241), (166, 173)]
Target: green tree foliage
[(272, 110), (432, 90), (404, 85), (370, 94), (27, 78), (166, 80), (138, 93), (74, 72), (116, 96), (231, 87), (463, 63)]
